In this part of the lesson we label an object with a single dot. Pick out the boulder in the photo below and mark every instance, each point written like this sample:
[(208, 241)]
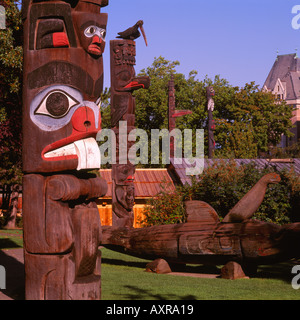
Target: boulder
[(232, 270), (159, 266)]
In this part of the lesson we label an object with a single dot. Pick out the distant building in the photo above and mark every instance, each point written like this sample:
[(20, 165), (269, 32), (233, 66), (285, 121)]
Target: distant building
[(284, 82)]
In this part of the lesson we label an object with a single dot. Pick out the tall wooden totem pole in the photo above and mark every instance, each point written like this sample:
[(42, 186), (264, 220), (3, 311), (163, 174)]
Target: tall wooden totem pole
[(63, 79), (173, 113), (210, 93), (123, 83)]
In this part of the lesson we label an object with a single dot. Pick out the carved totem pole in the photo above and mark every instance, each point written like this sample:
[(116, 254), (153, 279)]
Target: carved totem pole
[(210, 93), (63, 80), (123, 83), (173, 114)]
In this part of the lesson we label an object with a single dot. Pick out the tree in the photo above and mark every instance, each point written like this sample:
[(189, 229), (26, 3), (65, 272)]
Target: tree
[(238, 140), (248, 120), (152, 104), (259, 118), (11, 96)]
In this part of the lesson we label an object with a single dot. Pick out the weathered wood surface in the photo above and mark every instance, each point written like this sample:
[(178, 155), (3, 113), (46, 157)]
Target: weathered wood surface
[(63, 81), (249, 204), (123, 83), (203, 239), (199, 243)]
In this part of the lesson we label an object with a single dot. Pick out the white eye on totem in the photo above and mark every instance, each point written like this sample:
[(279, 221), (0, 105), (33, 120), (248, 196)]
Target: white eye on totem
[(95, 31), (56, 104)]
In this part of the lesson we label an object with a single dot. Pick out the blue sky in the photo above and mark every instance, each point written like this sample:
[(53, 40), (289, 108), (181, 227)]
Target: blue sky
[(237, 39)]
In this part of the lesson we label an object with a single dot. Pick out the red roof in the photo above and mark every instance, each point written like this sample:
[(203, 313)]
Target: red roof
[(148, 182)]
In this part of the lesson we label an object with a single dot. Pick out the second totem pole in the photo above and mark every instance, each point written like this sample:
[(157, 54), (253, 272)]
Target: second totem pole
[(123, 83)]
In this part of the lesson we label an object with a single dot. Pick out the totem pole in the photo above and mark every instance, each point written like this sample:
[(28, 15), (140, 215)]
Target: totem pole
[(210, 92), (173, 114), (123, 83), (171, 107), (63, 80)]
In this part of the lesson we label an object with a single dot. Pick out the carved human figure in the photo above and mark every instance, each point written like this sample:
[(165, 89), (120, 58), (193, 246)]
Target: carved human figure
[(63, 80)]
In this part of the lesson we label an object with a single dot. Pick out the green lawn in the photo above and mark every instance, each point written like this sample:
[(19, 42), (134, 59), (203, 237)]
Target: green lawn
[(10, 239), (124, 278)]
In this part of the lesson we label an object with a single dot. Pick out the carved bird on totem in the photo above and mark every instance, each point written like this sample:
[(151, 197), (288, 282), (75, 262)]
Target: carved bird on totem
[(133, 33)]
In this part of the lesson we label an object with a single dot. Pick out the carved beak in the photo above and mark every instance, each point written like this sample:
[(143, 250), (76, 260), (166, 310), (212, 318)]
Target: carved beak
[(144, 34)]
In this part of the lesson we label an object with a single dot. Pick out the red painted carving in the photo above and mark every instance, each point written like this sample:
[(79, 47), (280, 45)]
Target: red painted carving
[(63, 80)]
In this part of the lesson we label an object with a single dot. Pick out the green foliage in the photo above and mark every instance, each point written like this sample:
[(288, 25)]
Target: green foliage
[(223, 185), (254, 120), (238, 140), (11, 60), (165, 208), (152, 104), (292, 151)]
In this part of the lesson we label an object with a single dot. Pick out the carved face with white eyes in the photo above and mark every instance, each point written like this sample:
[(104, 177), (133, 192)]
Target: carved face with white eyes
[(93, 39), (61, 115)]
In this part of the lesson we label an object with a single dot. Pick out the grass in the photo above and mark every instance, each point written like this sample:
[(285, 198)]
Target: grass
[(124, 278), (11, 239)]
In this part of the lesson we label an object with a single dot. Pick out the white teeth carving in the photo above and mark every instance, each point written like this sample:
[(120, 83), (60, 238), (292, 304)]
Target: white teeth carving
[(67, 150), (87, 151)]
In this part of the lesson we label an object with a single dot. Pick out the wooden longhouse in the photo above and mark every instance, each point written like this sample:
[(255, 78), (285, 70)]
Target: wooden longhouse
[(148, 183)]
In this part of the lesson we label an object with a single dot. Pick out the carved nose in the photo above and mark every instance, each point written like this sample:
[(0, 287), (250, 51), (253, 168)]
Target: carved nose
[(96, 40), (83, 120)]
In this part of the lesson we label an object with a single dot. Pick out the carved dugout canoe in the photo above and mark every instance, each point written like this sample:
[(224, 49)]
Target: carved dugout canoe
[(206, 240)]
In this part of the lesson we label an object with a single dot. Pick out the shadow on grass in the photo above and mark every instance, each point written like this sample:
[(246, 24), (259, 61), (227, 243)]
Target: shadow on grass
[(7, 243), (280, 271), (117, 262), (15, 276), (141, 294), (174, 267)]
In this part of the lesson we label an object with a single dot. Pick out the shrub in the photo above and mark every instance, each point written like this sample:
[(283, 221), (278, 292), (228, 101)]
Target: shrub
[(165, 208)]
